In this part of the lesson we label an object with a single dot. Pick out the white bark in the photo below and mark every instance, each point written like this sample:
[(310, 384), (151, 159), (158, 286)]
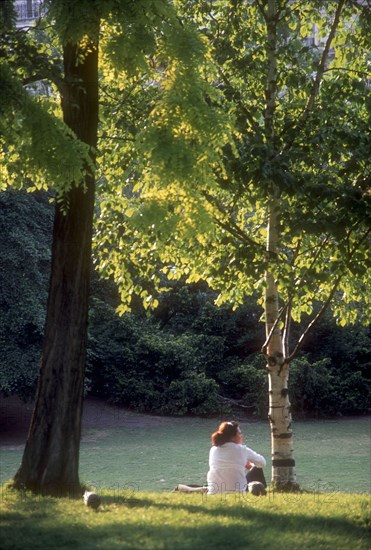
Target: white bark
[(283, 464)]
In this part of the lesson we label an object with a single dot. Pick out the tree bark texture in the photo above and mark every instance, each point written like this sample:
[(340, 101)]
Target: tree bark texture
[(279, 415), (50, 461)]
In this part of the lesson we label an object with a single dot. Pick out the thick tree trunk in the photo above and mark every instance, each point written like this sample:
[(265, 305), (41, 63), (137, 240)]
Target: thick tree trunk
[(51, 457)]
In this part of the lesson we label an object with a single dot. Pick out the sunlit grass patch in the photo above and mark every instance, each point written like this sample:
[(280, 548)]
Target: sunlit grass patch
[(186, 521)]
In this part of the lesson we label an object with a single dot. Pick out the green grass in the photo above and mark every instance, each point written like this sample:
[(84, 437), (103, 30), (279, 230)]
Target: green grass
[(154, 454), (181, 521)]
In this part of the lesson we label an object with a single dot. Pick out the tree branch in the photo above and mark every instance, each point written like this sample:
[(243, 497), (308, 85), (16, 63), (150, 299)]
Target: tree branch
[(314, 321), (237, 95), (235, 402), (326, 303), (261, 9), (317, 81), (230, 225), (345, 69), (286, 331), (238, 233), (286, 308), (274, 326), (322, 65), (314, 259)]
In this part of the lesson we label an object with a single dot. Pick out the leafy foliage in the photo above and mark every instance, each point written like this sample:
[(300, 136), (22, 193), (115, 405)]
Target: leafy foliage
[(35, 144), (132, 362), (25, 232), (163, 362)]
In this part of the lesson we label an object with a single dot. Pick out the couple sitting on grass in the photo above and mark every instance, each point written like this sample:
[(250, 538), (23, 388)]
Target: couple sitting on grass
[(233, 467)]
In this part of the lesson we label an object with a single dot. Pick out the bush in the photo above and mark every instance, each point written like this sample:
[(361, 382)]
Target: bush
[(317, 388), (25, 231), (353, 394), (194, 394), (248, 383), (311, 387), (132, 362)]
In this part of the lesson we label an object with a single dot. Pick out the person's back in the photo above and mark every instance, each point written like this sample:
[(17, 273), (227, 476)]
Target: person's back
[(228, 460)]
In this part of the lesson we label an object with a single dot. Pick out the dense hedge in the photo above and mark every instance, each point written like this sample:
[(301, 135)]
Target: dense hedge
[(188, 357), (133, 363)]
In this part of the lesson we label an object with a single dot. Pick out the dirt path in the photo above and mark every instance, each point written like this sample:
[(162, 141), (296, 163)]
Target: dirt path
[(15, 417)]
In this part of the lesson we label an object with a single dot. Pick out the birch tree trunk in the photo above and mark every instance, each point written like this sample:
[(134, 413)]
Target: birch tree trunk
[(283, 463), (279, 415), (51, 457)]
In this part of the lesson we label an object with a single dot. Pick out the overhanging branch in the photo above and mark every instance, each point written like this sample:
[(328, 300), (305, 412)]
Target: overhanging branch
[(274, 326), (237, 96), (286, 331), (314, 321), (238, 233)]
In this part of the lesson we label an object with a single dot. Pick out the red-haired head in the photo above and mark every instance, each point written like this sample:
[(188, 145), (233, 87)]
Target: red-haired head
[(227, 431)]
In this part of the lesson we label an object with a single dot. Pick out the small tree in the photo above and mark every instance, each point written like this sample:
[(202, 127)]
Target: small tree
[(283, 207)]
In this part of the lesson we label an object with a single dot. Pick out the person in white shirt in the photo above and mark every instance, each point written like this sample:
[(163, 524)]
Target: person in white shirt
[(229, 459)]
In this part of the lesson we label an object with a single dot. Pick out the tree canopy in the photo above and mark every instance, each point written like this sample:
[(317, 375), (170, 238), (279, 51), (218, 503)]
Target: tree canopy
[(185, 339), (211, 224)]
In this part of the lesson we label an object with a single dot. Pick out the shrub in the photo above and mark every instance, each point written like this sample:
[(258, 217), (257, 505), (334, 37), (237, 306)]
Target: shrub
[(318, 388), (248, 383), (311, 387), (194, 394), (142, 367)]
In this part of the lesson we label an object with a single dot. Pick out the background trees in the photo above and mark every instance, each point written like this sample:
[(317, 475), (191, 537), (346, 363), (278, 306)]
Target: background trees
[(25, 239)]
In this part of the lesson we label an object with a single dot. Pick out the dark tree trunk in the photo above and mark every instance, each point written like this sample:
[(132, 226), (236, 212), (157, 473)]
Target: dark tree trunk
[(51, 457)]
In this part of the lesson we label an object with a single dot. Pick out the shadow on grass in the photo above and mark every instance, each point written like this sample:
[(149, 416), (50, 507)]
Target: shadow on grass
[(145, 523)]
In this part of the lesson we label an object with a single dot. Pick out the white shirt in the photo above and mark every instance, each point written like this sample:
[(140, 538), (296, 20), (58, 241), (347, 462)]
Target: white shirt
[(227, 467)]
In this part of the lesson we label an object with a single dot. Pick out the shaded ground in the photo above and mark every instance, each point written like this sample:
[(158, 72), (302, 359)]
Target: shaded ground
[(15, 417)]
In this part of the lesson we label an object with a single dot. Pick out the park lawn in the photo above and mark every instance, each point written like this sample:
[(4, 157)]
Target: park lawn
[(186, 521)]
